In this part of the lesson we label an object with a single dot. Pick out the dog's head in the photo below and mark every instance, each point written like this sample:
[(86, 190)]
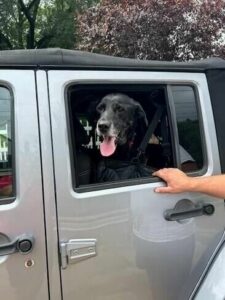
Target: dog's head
[(121, 118)]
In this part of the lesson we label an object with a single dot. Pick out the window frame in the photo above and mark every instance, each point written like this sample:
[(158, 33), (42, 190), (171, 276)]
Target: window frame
[(171, 114), (11, 199), (203, 170)]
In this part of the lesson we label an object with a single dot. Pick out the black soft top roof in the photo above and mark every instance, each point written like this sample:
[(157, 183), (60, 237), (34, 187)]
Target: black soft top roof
[(71, 59)]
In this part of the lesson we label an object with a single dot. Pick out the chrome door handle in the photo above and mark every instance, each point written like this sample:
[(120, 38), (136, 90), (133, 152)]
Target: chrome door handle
[(177, 214), (23, 244)]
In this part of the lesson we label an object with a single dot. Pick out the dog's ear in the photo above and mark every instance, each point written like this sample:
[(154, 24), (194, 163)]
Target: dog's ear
[(140, 115)]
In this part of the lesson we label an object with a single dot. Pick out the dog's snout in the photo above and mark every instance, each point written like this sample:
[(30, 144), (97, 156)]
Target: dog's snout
[(104, 126)]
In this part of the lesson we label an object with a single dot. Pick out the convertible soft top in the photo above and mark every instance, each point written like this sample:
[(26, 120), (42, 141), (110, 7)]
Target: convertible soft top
[(72, 59)]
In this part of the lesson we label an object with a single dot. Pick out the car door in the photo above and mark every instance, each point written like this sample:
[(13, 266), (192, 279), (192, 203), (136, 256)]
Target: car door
[(23, 265), (122, 241)]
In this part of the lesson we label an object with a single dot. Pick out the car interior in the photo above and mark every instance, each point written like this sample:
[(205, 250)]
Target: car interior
[(81, 109)]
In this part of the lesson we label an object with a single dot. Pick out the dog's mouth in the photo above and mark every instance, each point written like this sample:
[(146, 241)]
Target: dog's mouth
[(108, 145)]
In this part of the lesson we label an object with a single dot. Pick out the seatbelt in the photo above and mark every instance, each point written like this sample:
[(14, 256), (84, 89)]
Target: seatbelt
[(157, 116)]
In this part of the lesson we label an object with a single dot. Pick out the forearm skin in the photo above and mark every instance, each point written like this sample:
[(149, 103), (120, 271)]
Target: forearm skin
[(213, 185)]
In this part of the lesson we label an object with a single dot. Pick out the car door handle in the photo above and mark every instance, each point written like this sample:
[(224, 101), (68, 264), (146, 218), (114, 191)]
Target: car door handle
[(178, 214), (23, 244)]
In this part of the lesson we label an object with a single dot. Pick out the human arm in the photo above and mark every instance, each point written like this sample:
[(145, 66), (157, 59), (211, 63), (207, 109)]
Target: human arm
[(179, 182)]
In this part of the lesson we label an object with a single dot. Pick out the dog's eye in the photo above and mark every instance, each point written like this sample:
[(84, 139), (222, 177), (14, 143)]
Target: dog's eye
[(119, 108), (101, 107)]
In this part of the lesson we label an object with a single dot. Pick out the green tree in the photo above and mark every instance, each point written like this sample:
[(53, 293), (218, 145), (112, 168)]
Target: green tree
[(55, 24), (18, 23), (39, 23)]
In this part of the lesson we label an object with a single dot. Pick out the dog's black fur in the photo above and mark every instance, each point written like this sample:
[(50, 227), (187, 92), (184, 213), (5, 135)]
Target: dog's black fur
[(124, 119)]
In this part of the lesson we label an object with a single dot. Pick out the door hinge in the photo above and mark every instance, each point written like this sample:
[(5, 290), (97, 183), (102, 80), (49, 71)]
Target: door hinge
[(77, 250)]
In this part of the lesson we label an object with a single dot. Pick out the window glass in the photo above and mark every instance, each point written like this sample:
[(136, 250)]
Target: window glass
[(6, 176), (190, 145), (108, 126)]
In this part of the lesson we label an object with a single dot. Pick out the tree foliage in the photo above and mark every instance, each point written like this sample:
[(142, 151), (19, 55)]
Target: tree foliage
[(16, 17), (39, 23), (154, 29)]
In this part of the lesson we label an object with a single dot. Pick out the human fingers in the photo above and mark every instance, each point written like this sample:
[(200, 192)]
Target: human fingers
[(163, 189), (160, 173)]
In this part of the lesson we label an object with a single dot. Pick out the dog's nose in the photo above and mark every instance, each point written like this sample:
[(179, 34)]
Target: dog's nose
[(103, 127)]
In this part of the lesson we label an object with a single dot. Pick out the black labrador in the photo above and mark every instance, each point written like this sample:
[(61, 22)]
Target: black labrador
[(121, 125)]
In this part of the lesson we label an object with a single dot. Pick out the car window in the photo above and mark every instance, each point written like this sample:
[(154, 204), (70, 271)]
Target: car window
[(188, 124), (6, 172), (108, 124), (105, 150)]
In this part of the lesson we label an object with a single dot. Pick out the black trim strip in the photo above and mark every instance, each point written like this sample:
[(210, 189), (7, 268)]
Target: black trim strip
[(105, 68), (108, 68)]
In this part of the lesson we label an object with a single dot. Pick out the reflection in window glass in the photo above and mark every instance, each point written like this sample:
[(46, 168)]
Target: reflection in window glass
[(191, 155), (5, 144)]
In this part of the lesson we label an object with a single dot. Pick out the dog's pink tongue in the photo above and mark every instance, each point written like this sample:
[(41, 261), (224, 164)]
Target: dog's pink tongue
[(108, 146)]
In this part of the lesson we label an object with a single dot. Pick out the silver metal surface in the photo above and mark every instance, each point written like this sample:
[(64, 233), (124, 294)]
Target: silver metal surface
[(48, 186), (26, 213), (140, 254), (213, 287)]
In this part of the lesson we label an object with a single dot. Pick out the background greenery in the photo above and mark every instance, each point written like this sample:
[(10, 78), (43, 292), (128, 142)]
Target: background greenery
[(144, 29), (40, 23)]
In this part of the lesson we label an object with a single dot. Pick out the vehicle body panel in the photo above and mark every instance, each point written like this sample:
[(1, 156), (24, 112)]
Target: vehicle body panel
[(139, 254), (113, 216), (48, 187), (213, 286), (25, 214)]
